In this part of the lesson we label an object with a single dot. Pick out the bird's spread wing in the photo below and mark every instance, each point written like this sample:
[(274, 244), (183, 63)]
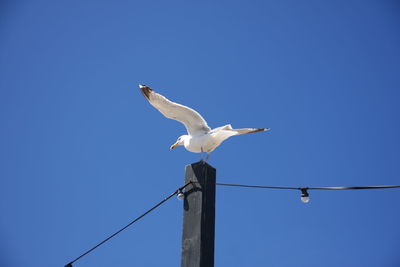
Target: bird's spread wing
[(193, 121)]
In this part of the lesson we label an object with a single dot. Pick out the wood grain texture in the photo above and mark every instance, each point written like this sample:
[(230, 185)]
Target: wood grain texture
[(199, 216)]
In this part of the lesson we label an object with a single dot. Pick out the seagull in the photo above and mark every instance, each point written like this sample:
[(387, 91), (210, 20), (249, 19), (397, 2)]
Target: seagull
[(200, 138)]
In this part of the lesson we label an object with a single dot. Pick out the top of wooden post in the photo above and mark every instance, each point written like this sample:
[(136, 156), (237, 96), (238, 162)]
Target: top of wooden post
[(202, 163)]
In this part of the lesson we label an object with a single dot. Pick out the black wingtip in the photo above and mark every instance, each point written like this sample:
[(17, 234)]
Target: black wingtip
[(260, 130), (145, 91)]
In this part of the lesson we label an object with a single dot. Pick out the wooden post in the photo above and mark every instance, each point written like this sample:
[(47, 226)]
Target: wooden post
[(199, 216)]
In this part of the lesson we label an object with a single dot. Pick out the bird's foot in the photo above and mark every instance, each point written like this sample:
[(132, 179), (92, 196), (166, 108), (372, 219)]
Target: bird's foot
[(205, 160), (208, 157), (201, 156)]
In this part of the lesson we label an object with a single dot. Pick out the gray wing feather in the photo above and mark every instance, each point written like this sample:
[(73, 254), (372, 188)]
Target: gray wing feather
[(193, 121)]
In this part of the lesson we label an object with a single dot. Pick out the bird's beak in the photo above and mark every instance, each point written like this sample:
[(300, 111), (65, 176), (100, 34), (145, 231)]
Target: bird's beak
[(173, 146)]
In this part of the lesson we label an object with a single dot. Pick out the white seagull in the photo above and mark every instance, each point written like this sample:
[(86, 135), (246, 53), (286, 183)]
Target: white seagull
[(200, 138)]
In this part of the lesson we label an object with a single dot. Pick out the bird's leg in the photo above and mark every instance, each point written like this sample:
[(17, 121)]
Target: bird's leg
[(202, 151), (208, 156)]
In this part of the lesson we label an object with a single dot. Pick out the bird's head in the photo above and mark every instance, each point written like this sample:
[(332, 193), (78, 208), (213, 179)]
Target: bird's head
[(180, 141)]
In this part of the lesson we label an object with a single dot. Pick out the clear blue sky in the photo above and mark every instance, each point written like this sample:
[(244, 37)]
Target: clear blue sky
[(82, 152)]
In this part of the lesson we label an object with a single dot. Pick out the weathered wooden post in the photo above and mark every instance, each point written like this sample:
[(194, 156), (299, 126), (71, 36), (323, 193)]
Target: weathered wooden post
[(199, 216)]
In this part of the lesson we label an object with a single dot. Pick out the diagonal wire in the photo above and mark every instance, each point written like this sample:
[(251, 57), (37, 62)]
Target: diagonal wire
[(129, 224)]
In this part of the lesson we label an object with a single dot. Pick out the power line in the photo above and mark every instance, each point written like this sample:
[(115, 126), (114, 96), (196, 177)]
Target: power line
[(177, 191), (259, 186), (305, 196), (311, 188)]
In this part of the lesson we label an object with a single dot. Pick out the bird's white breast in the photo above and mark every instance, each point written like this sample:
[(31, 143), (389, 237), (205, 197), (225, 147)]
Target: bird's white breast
[(199, 143)]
